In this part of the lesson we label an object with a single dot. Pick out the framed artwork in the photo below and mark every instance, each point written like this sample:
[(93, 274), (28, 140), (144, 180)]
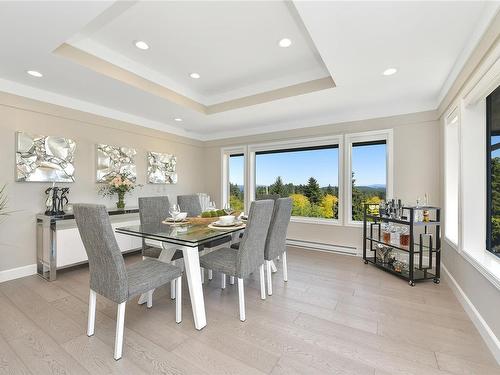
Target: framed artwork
[(162, 168), (113, 160), (42, 158)]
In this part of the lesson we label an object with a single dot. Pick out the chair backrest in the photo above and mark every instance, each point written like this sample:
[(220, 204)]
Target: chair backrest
[(276, 236), (251, 250), (108, 275), (153, 210), (190, 204)]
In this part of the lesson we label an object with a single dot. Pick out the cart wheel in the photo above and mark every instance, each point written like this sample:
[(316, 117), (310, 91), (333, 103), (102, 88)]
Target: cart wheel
[(437, 281), (411, 283), (366, 262)]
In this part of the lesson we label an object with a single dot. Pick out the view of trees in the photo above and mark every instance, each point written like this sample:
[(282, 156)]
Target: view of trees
[(495, 204), (312, 200)]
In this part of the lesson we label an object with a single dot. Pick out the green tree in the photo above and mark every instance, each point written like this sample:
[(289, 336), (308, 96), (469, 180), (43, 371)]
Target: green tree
[(278, 188), (495, 204), (313, 191), (357, 201)]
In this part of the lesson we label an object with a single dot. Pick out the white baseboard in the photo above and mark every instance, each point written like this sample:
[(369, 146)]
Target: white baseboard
[(322, 247), (484, 329), (16, 273)]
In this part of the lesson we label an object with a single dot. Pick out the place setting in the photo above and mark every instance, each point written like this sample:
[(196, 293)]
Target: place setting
[(228, 221)]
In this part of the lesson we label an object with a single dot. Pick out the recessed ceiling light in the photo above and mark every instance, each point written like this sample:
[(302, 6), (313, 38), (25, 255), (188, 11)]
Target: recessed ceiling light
[(34, 73), (178, 119), (141, 44), (285, 43), (195, 75), (389, 71)]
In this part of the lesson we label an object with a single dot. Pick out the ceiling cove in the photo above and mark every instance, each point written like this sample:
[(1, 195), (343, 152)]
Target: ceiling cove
[(239, 52)]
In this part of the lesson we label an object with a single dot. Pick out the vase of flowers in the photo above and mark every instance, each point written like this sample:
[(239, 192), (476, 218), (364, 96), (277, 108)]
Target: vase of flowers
[(119, 185)]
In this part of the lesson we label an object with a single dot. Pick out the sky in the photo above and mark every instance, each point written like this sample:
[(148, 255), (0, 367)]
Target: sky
[(296, 167), (495, 140)]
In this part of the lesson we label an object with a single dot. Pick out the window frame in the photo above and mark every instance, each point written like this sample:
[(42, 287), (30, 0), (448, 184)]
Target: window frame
[(226, 153), (489, 195), (450, 120), (360, 137), (300, 144)]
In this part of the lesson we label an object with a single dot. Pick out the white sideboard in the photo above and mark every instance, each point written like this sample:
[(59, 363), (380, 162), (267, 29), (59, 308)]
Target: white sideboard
[(59, 244)]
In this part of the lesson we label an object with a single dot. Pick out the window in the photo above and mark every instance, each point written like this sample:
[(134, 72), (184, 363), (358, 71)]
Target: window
[(493, 172), (368, 178), (234, 177), (452, 162), (309, 175), (236, 181)]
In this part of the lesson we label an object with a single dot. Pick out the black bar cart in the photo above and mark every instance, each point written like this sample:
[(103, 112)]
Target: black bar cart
[(408, 246)]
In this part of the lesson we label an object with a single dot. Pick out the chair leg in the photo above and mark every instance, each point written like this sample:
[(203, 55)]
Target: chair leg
[(231, 280), (273, 267), (178, 300), (120, 322), (91, 320), (210, 275), (202, 273), (172, 289), (285, 268), (149, 303), (223, 280), (262, 282), (241, 297), (269, 278)]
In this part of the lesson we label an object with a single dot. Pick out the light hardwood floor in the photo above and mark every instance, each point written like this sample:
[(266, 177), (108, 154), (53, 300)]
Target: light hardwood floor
[(335, 315)]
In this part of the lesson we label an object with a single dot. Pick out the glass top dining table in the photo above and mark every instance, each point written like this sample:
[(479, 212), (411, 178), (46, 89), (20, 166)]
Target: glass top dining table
[(187, 237), (183, 234)]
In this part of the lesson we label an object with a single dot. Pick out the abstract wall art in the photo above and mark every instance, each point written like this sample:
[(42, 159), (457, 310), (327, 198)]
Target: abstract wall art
[(113, 160), (42, 158), (162, 168)]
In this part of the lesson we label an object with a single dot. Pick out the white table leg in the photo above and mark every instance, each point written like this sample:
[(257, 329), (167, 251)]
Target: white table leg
[(192, 266)]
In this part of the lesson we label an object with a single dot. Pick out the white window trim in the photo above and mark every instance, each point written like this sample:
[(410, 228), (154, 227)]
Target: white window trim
[(299, 143), (226, 152), (485, 80), (455, 112), (376, 135)]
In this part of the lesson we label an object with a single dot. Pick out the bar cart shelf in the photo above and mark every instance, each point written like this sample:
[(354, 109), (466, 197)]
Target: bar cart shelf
[(420, 259)]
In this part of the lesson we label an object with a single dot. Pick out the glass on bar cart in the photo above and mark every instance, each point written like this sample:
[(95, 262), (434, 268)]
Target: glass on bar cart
[(418, 214), (404, 239)]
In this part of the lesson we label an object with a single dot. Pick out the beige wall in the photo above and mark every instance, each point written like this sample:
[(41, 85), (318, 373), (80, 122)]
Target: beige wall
[(17, 232), (416, 166)]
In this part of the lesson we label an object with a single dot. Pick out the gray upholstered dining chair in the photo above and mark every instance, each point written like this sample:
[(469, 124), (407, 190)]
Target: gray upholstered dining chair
[(276, 238), (153, 210), (250, 254), (108, 275), (191, 204)]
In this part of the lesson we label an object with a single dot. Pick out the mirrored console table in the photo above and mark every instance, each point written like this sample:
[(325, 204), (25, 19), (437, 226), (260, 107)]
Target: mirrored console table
[(58, 242)]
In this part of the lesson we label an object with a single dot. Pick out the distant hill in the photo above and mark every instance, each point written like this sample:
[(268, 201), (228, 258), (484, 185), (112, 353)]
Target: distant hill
[(372, 189)]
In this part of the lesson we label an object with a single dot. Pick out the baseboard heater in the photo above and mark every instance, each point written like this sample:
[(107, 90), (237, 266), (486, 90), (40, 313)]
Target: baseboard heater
[(323, 247)]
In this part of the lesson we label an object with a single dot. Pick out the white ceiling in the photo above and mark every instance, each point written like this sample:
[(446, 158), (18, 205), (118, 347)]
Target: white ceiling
[(233, 45)]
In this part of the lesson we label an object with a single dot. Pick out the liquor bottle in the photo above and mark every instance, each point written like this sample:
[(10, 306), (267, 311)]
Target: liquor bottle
[(426, 215)]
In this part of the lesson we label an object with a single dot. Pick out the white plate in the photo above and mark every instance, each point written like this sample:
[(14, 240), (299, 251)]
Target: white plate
[(239, 226), (218, 223)]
